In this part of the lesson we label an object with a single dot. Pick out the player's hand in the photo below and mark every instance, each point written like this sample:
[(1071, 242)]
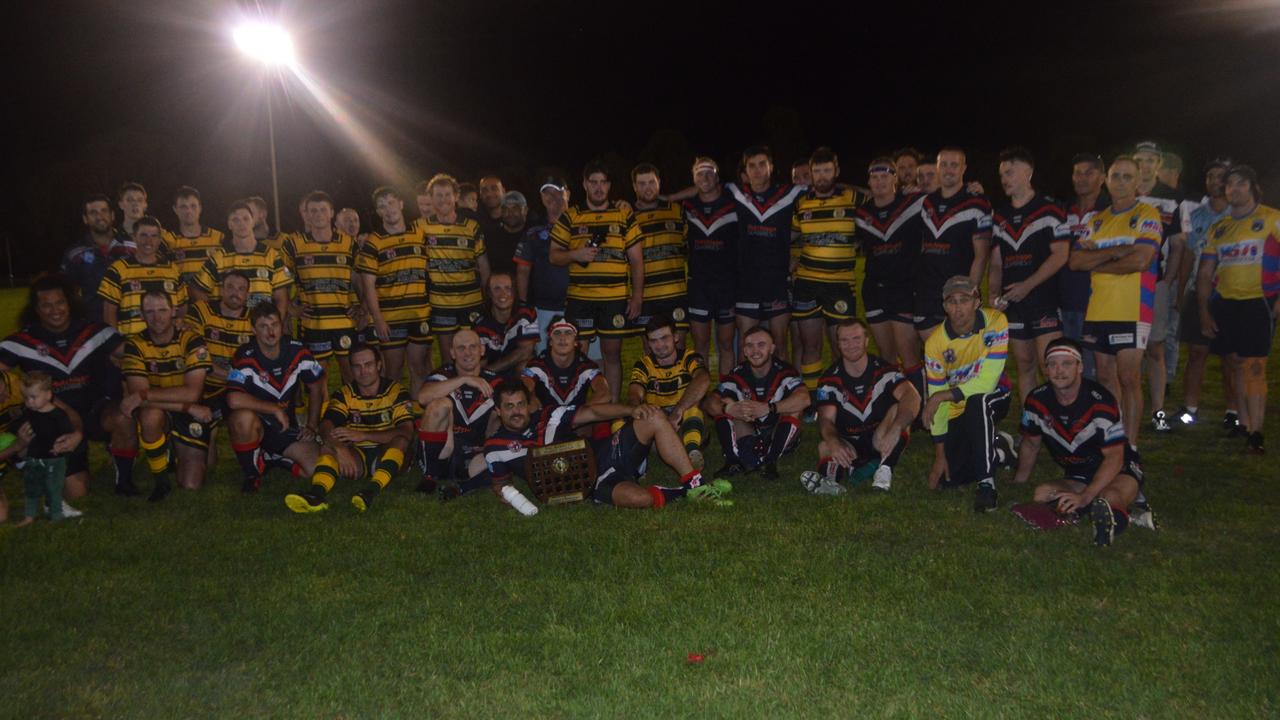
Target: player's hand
[(931, 408), (645, 412), (201, 413), (584, 254), (1015, 292), (844, 455), (1069, 502), (347, 463), (306, 432), (974, 187), (938, 470), (479, 384), (382, 329), (675, 417), (346, 434), (66, 443), (281, 417), (1208, 327), (634, 306)]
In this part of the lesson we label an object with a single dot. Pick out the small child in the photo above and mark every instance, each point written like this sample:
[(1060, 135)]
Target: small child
[(42, 423)]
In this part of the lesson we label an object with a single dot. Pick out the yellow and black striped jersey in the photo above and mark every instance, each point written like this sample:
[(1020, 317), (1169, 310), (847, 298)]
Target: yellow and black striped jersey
[(222, 335), (127, 280), (386, 409), (12, 408), (189, 253), (323, 271), (663, 385), (613, 231), (264, 266), (453, 254), (164, 365), (276, 240), (398, 262), (662, 231), (824, 231)]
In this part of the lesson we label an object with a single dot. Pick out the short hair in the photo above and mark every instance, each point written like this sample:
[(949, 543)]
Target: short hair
[(1063, 342), (46, 282), (758, 329), (256, 201), (93, 198), (1093, 160), (883, 160), (1123, 159), (954, 149), (824, 155), (130, 186), (37, 379), (264, 309), (657, 322), (799, 163), (908, 151), (755, 150), (443, 179), (148, 221), (510, 386), (239, 205), (384, 191), (243, 275), (852, 322), (186, 191), (1017, 153), (422, 188), (644, 168), (467, 188), (1172, 161), (157, 293), (361, 346), (316, 196), (593, 167)]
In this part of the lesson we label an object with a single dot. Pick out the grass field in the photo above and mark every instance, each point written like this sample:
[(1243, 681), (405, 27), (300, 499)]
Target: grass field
[(907, 605)]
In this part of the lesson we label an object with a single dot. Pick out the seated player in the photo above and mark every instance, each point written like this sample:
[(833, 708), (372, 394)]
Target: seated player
[(1081, 421), (865, 407), (674, 381), (562, 375), (969, 393), (224, 325), (508, 330), (366, 430), (262, 394), (457, 415), (164, 368), (757, 408), (618, 459)]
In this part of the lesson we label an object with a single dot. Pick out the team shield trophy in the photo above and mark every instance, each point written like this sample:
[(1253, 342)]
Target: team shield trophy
[(562, 473)]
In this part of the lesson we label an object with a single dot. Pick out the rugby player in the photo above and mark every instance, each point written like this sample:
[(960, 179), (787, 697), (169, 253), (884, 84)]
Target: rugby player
[(889, 232), (508, 331), (269, 277), (968, 393), (87, 261), (956, 239), (562, 375), (164, 368), (267, 375), (1238, 289), (191, 244), (1081, 421), (320, 260), (621, 458), (457, 415), (1088, 173), (800, 174), (224, 326), (764, 210), (599, 243), (865, 407), (1120, 247), (1030, 246), (674, 380), (456, 264), (823, 229), (130, 277), (261, 227), (906, 163), (926, 179), (366, 430), (660, 230), (712, 236), (131, 198), (757, 408)]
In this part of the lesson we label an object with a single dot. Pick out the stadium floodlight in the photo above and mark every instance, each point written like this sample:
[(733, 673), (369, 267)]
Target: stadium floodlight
[(268, 43)]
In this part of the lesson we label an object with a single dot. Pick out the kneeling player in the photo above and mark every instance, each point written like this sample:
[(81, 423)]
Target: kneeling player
[(164, 369), (262, 386), (1081, 421), (619, 459), (457, 416), (757, 409), (366, 430), (865, 406)]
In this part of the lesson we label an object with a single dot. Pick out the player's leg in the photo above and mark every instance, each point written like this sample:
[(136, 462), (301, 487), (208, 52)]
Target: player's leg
[(700, 331), (1128, 363), (304, 453), (1156, 384), (192, 465), (435, 438), (1025, 356), (323, 478), (812, 330), (693, 435), (778, 327), (445, 339), (388, 463), (1108, 375), (245, 429), (418, 356), (153, 431), (907, 344), (611, 349), (123, 447), (393, 362), (726, 332), (1108, 511)]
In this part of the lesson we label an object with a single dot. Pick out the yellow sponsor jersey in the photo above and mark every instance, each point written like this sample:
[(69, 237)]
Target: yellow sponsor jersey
[(612, 230), (388, 407), (972, 363), (663, 385), (264, 267), (1129, 297), (11, 408), (824, 231), (661, 231), (189, 253), (164, 365), (323, 273), (222, 335), (1247, 253), (127, 280), (453, 254), (398, 262)]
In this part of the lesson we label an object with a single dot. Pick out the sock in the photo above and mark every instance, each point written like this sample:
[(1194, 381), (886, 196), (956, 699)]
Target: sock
[(1122, 519), (479, 482), (280, 462), (123, 460), (1192, 409), (388, 467), (916, 376), (691, 480), (157, 454), (691, 430), (894, 455), (811, 374), (780, 438), (728, 441), (432, 444), (249, 456), (325, 476), (662, 495)]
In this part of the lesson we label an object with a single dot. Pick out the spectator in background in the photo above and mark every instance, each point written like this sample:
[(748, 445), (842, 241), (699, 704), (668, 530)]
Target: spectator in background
[(800, 174), (468, 202), (503, 238), (538, 282), (102, 244), (491, 194), (261, 229), (1170, 172)]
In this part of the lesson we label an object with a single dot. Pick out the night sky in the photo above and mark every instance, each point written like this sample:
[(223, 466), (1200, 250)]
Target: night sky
[(152, 91)]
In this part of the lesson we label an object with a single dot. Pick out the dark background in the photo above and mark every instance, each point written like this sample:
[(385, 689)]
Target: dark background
[(103, 92)]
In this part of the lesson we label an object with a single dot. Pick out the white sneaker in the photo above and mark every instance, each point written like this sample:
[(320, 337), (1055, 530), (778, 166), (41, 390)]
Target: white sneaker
[(818, 484), (1005, 447), (883, 478), (70, 512)]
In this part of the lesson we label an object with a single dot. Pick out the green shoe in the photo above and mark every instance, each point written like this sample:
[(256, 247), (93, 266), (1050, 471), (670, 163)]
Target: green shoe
[(305, 503), (713, 492)]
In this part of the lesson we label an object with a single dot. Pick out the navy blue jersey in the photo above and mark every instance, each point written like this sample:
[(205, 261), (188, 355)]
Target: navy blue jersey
[(1026, 236), (779, 381), (890, 237), (555, 386), (1073, 285), (87, 262), (950, 227), (506, 451), (1077, 433), (713, 240), (764, 237), (471, 409), (548, 284), (861, 402), (498, 337), (78, 360), (276, 380)]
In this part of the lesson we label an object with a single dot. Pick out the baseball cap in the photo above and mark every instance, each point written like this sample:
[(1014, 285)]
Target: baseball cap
[(1148, 146), (552, 182), (958, 284)]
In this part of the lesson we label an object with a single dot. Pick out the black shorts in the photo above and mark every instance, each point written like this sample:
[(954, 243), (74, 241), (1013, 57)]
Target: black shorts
[(78, 459), (1109, 338), (1027, 322), (323, 343), (404, 333), (710, 302), (927, 311), (1189, 322), (1245, 327), (606, 318), (193, 433), (619, 459), (835, 301), (450, 320), (1130, 468), (274, 439), (887, 302), (760, 305), (673, 308)]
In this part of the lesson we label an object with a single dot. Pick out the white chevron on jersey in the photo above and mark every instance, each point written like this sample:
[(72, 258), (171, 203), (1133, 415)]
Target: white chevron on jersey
[(781, 203)]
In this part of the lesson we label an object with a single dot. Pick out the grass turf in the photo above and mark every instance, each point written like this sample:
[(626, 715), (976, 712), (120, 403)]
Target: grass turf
[(899, 605)]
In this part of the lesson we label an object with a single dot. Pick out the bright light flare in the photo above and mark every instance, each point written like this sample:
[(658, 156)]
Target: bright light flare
[(267, 43)]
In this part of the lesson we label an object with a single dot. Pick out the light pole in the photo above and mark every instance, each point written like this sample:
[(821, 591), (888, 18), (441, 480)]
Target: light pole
[(270, 45)]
